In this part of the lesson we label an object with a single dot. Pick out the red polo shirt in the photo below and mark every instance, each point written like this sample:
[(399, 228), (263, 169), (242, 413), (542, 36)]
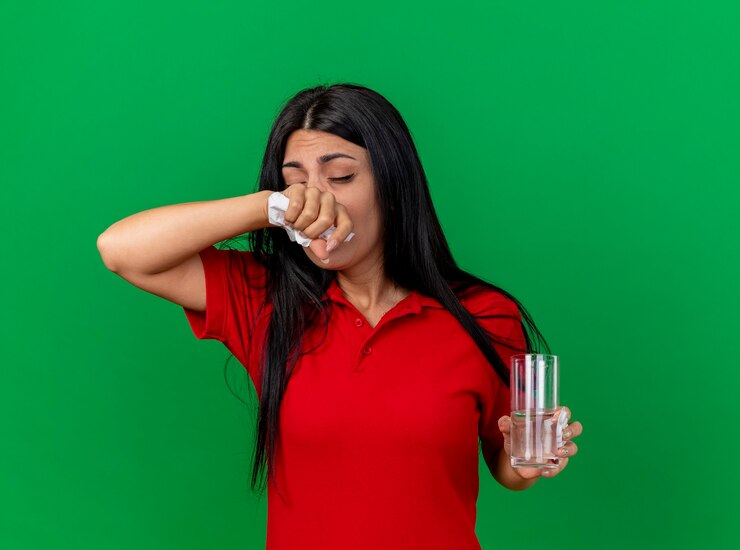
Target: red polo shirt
[(379, 426)]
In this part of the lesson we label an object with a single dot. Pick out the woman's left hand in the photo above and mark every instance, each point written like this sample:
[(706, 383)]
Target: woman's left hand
[(567, 450)]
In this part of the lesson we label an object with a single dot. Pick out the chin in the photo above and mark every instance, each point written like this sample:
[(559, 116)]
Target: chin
[(337, 261), (332, 265)]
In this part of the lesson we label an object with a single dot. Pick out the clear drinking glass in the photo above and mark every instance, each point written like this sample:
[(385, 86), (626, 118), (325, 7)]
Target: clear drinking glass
[(536, 431)]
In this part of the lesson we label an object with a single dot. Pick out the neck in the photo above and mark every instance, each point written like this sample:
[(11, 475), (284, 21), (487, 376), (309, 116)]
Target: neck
[(369, 288)]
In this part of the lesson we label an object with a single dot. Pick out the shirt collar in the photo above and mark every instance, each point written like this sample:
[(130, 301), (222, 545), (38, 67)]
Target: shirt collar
[(413, 302)]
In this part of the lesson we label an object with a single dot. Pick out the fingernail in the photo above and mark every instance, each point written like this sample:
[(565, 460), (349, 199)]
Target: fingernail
[(325, 261), (566, 433), (331, 245), (564, 452)]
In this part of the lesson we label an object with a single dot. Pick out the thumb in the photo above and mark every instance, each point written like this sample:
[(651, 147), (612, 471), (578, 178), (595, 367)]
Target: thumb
[(318, 247), (504, 425)]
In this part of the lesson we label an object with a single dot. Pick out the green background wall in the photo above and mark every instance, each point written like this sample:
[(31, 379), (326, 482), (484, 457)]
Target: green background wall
[(584, 155)]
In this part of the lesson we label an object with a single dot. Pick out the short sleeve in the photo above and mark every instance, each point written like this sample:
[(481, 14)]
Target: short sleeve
[(235, 293), (504, 321)]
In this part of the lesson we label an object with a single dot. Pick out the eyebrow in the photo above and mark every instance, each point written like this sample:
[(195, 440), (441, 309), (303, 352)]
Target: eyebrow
[(323, 159)]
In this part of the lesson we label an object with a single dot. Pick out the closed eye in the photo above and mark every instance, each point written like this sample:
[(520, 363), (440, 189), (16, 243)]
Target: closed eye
[(343, 178)]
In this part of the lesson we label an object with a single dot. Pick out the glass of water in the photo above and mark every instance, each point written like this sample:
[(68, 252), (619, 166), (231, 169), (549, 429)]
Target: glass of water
[(536, 429)]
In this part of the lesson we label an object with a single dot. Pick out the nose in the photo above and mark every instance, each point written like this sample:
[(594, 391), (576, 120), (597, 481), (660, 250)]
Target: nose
[(315, 181)]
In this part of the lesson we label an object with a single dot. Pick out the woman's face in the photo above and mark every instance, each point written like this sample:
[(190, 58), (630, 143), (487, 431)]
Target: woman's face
[(302, 165)]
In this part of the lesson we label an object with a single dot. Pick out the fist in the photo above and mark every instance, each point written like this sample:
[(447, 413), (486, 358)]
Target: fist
[(312, 212)]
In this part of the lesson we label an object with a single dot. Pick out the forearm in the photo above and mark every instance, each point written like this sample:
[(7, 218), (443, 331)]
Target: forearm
[(157, 239), (506, 475)]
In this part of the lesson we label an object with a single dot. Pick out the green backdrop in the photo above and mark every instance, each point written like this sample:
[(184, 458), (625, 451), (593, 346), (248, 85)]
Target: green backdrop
[(583, 155)]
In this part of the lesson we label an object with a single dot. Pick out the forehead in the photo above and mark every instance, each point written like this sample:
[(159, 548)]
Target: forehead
[(315, 143)]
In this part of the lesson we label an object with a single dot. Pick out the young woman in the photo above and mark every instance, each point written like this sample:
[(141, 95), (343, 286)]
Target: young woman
[(379, 364)]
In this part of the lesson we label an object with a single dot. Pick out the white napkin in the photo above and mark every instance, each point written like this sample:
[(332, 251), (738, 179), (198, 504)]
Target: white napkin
[(277, 204)]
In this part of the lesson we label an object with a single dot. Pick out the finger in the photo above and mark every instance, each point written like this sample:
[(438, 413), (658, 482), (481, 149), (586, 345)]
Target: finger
[(529, 473), (324, 220), (297, 195), (573, 430), (310, 210), (552, 472), (343, 224), (568, 450)]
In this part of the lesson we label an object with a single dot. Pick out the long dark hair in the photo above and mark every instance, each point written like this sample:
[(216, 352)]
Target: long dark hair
[(417, 257)]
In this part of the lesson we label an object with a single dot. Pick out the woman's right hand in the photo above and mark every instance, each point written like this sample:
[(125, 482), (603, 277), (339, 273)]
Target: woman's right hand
[(312, 212)]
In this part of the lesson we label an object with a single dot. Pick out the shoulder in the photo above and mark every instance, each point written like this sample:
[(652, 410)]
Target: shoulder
[(226, 252), (482, 301), (499, 315), (241, 270), (235, 259)]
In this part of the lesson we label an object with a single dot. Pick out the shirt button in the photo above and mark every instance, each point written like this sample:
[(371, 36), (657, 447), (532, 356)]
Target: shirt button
[(367, 350), (358, 322)]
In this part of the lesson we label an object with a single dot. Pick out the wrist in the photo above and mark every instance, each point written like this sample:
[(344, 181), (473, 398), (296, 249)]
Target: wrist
[(265, 214)]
